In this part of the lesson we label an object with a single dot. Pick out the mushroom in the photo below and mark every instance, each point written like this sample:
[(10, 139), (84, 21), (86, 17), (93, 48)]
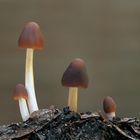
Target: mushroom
[(30, 38), (20, 94), (74, 77), (109, 106)]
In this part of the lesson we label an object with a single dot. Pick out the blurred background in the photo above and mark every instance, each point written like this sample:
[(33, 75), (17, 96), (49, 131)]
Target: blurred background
[(106, 34)]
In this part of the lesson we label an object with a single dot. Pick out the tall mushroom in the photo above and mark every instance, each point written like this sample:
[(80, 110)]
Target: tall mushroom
[(30, 38), (20, 94), (74, 77), (109, 106)]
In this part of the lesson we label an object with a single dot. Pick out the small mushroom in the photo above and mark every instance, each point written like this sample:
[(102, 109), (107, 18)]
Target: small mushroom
[(20, 94), (75, 77), (109, 106), (30, 38)]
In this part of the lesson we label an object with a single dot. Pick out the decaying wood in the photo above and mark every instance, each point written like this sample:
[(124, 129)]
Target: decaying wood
[(54, 124)]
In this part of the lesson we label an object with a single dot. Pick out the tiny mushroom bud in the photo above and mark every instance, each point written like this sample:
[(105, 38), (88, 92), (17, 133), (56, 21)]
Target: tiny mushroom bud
[(30, 38), (109, 106), (20, 94), (74, 77)]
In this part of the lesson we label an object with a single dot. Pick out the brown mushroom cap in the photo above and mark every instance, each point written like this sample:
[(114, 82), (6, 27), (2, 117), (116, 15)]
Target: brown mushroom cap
[(31, 37), (109, 105), (76, 74), (20, 92)]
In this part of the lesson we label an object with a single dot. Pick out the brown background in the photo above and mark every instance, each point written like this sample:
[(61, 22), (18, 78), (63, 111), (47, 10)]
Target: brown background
[(106, 34)]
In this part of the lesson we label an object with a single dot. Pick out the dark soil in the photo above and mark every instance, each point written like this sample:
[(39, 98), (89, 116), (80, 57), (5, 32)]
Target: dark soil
[(53, 124)]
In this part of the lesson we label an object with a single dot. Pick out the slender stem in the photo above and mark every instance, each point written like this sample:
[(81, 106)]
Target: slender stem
[(72, 99), (23, 109), (111, 115), (29, 81)]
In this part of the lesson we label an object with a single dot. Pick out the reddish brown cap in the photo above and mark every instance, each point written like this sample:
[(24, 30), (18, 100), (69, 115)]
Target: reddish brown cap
[(76, 74), (109, 105), (20, 92), (31, 36)]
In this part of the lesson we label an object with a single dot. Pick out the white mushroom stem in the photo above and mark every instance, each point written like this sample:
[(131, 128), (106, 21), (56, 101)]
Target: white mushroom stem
[(110, 116), (29, 81), (72, 99), (23, 109)]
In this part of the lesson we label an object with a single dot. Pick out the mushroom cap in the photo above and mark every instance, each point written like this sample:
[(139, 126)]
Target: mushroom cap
[(109, 105), (75, 74), (20, 92), (31, 36)]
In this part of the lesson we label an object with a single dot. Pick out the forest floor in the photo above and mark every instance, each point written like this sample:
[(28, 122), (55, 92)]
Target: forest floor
[(54, 124)]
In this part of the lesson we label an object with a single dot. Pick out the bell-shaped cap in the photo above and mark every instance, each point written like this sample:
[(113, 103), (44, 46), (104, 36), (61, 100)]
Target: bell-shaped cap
[(31, 36), (76, 74), (20, 92), (109, 105)]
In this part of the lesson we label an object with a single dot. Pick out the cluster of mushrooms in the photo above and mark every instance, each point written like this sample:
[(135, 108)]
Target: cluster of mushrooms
[(74, 77)]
